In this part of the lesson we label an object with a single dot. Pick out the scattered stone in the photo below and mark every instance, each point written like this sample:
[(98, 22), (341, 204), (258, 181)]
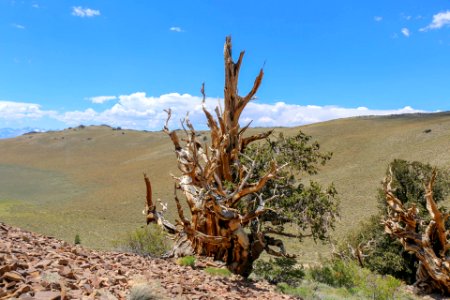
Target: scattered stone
[(13, 276), (47, 295), (36, 267)]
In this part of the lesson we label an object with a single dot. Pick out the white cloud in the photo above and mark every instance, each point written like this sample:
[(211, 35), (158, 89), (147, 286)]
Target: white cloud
[(10, 110), (35, 5), (101, 99), (139, 111), (405, 31), (84, 12), (378, 18), (18, 26), (282, 114), (439, 20), (176, 29)]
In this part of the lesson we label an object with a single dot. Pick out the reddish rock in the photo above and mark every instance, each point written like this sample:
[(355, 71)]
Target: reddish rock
[(13, 276), (47, 295), (63, 262)]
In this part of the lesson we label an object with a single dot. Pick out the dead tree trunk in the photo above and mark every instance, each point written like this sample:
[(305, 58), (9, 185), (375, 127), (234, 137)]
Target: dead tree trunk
[(214, 183), (429, 241)]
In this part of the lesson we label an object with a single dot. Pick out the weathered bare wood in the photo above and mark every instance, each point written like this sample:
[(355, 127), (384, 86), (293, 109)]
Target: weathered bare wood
[(428, 241), (253, 138), (214, 180), (152, 215)]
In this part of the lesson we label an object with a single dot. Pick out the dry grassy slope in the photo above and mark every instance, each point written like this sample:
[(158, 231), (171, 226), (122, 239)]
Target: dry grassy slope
[(104, 168), (89, 181)]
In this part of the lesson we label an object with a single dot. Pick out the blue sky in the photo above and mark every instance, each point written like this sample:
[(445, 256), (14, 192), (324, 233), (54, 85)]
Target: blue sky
[(63, 63)]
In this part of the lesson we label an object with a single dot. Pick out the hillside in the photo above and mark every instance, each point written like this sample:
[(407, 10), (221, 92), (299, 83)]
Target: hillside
[(37, 267), (88, 181)]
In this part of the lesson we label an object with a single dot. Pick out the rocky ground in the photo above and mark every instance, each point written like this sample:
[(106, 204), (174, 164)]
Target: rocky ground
[(33, 266)]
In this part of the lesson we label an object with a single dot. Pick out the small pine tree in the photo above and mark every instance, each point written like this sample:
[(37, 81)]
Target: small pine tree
[(77, 239)]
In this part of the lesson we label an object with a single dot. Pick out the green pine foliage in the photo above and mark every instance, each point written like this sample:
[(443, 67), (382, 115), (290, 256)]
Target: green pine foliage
[(77, 240), (311, 208), (279, 270)]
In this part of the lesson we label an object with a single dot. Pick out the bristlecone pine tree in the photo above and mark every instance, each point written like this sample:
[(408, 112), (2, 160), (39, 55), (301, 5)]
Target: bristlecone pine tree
[(228, 193), (429, 239)]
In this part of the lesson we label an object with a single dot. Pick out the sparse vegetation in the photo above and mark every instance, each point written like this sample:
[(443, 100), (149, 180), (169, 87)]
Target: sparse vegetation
[(186, 261), (77, 240), (222, 272), (358, 281), (279, 270), (149, 240)]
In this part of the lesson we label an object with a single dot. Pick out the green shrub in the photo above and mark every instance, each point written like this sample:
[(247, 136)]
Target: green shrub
[(77, 239), (304, 292), (336, 273), (186, 261), (360, 281), (218, 272), (149, 240), (279, 270)]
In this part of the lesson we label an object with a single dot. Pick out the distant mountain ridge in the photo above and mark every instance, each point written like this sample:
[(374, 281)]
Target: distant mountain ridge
[(6, 133)]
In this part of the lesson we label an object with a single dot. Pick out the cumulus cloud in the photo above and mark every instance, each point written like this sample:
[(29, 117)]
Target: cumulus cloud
[(440, 20), (10, 110), (378, 18), (405, 31), (282, 114), (82, 12), (176, 29), (101, 99), (139, 111)]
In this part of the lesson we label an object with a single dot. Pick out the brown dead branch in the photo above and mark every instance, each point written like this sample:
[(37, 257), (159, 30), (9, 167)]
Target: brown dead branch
[(213, 181), (429, 241)]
